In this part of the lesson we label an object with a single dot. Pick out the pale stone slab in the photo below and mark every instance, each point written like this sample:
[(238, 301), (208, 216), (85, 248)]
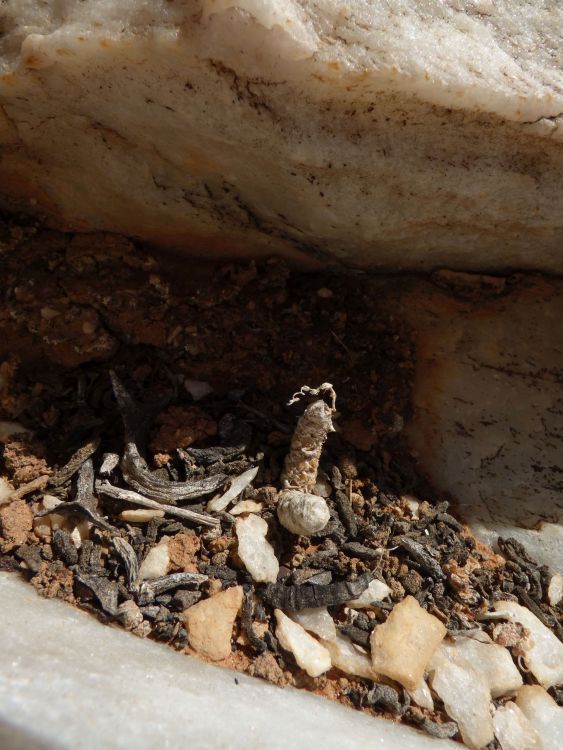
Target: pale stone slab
[(62, 663), (398, 135)]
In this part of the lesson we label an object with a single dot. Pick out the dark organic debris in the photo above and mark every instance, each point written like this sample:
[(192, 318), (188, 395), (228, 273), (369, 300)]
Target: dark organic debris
[(303, 597)]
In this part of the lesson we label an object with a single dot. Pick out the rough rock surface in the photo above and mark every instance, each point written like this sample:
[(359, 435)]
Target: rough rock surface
[(404, 134), (210, 623)]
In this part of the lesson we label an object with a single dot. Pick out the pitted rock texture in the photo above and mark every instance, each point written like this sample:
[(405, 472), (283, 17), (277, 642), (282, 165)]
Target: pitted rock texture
[(383, 135)]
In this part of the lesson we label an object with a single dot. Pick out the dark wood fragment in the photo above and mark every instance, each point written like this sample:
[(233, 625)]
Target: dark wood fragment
[(64, 548), (130, 562), (346, 513), (149, 590), (355, 549), (103, 589), (77, 459), (246, 620), (301, 597), (421, 555)]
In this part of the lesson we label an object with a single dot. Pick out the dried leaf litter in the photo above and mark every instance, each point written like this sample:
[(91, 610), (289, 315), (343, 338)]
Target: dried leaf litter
[(161, 477)]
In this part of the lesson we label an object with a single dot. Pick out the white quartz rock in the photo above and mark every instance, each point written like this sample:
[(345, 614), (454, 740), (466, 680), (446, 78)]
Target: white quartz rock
[(302, 513), (6, 490), (324, 172), (246, 506), (130, 681), (8, 429), (375, 592), (543, 650), (309, 654), (513, 730), (254, 550), (316, 620), (422, 695), (156, 562), (466, 697), (492, 661), (543, 713), (555, 589), (350, 658), (238, 485)]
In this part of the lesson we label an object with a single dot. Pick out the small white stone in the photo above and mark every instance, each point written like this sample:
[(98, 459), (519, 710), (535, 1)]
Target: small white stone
[(254, 550), (350, 658), (412, 504), (140, 515), (81, 532), (422, 696), (50, 502), (7, 429), (197, 389), (494, 662), (309, 654), (513, 730), (323, 487), (543, 651), (316, 620), (246, 506), (302, 513), (466, 697), (555, 589), (237, 486), (156, 562), (129, 615), (543, 713), (6, 490), (375, 592)]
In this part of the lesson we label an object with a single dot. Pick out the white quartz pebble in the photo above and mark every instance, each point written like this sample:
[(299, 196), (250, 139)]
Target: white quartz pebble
[(254, 550), (309, 654), (349, 658), (302, 513), (543, 713), (316, 620), (466, 697), (422, 696), (246, 506), (197, 389), (156, 562), (492, 661), (555, 589), (50, 502), (238, 484), (7, 429), (6, 490), (543, 651), (513, 730), (375, 592)]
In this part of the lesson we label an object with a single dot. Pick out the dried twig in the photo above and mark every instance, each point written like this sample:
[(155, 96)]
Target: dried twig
[(129, 496)]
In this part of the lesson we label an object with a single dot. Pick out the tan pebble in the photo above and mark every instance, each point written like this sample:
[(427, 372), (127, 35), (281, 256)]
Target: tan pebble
[(210, 623), (6, 490), (140, 515), (402, 646)]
